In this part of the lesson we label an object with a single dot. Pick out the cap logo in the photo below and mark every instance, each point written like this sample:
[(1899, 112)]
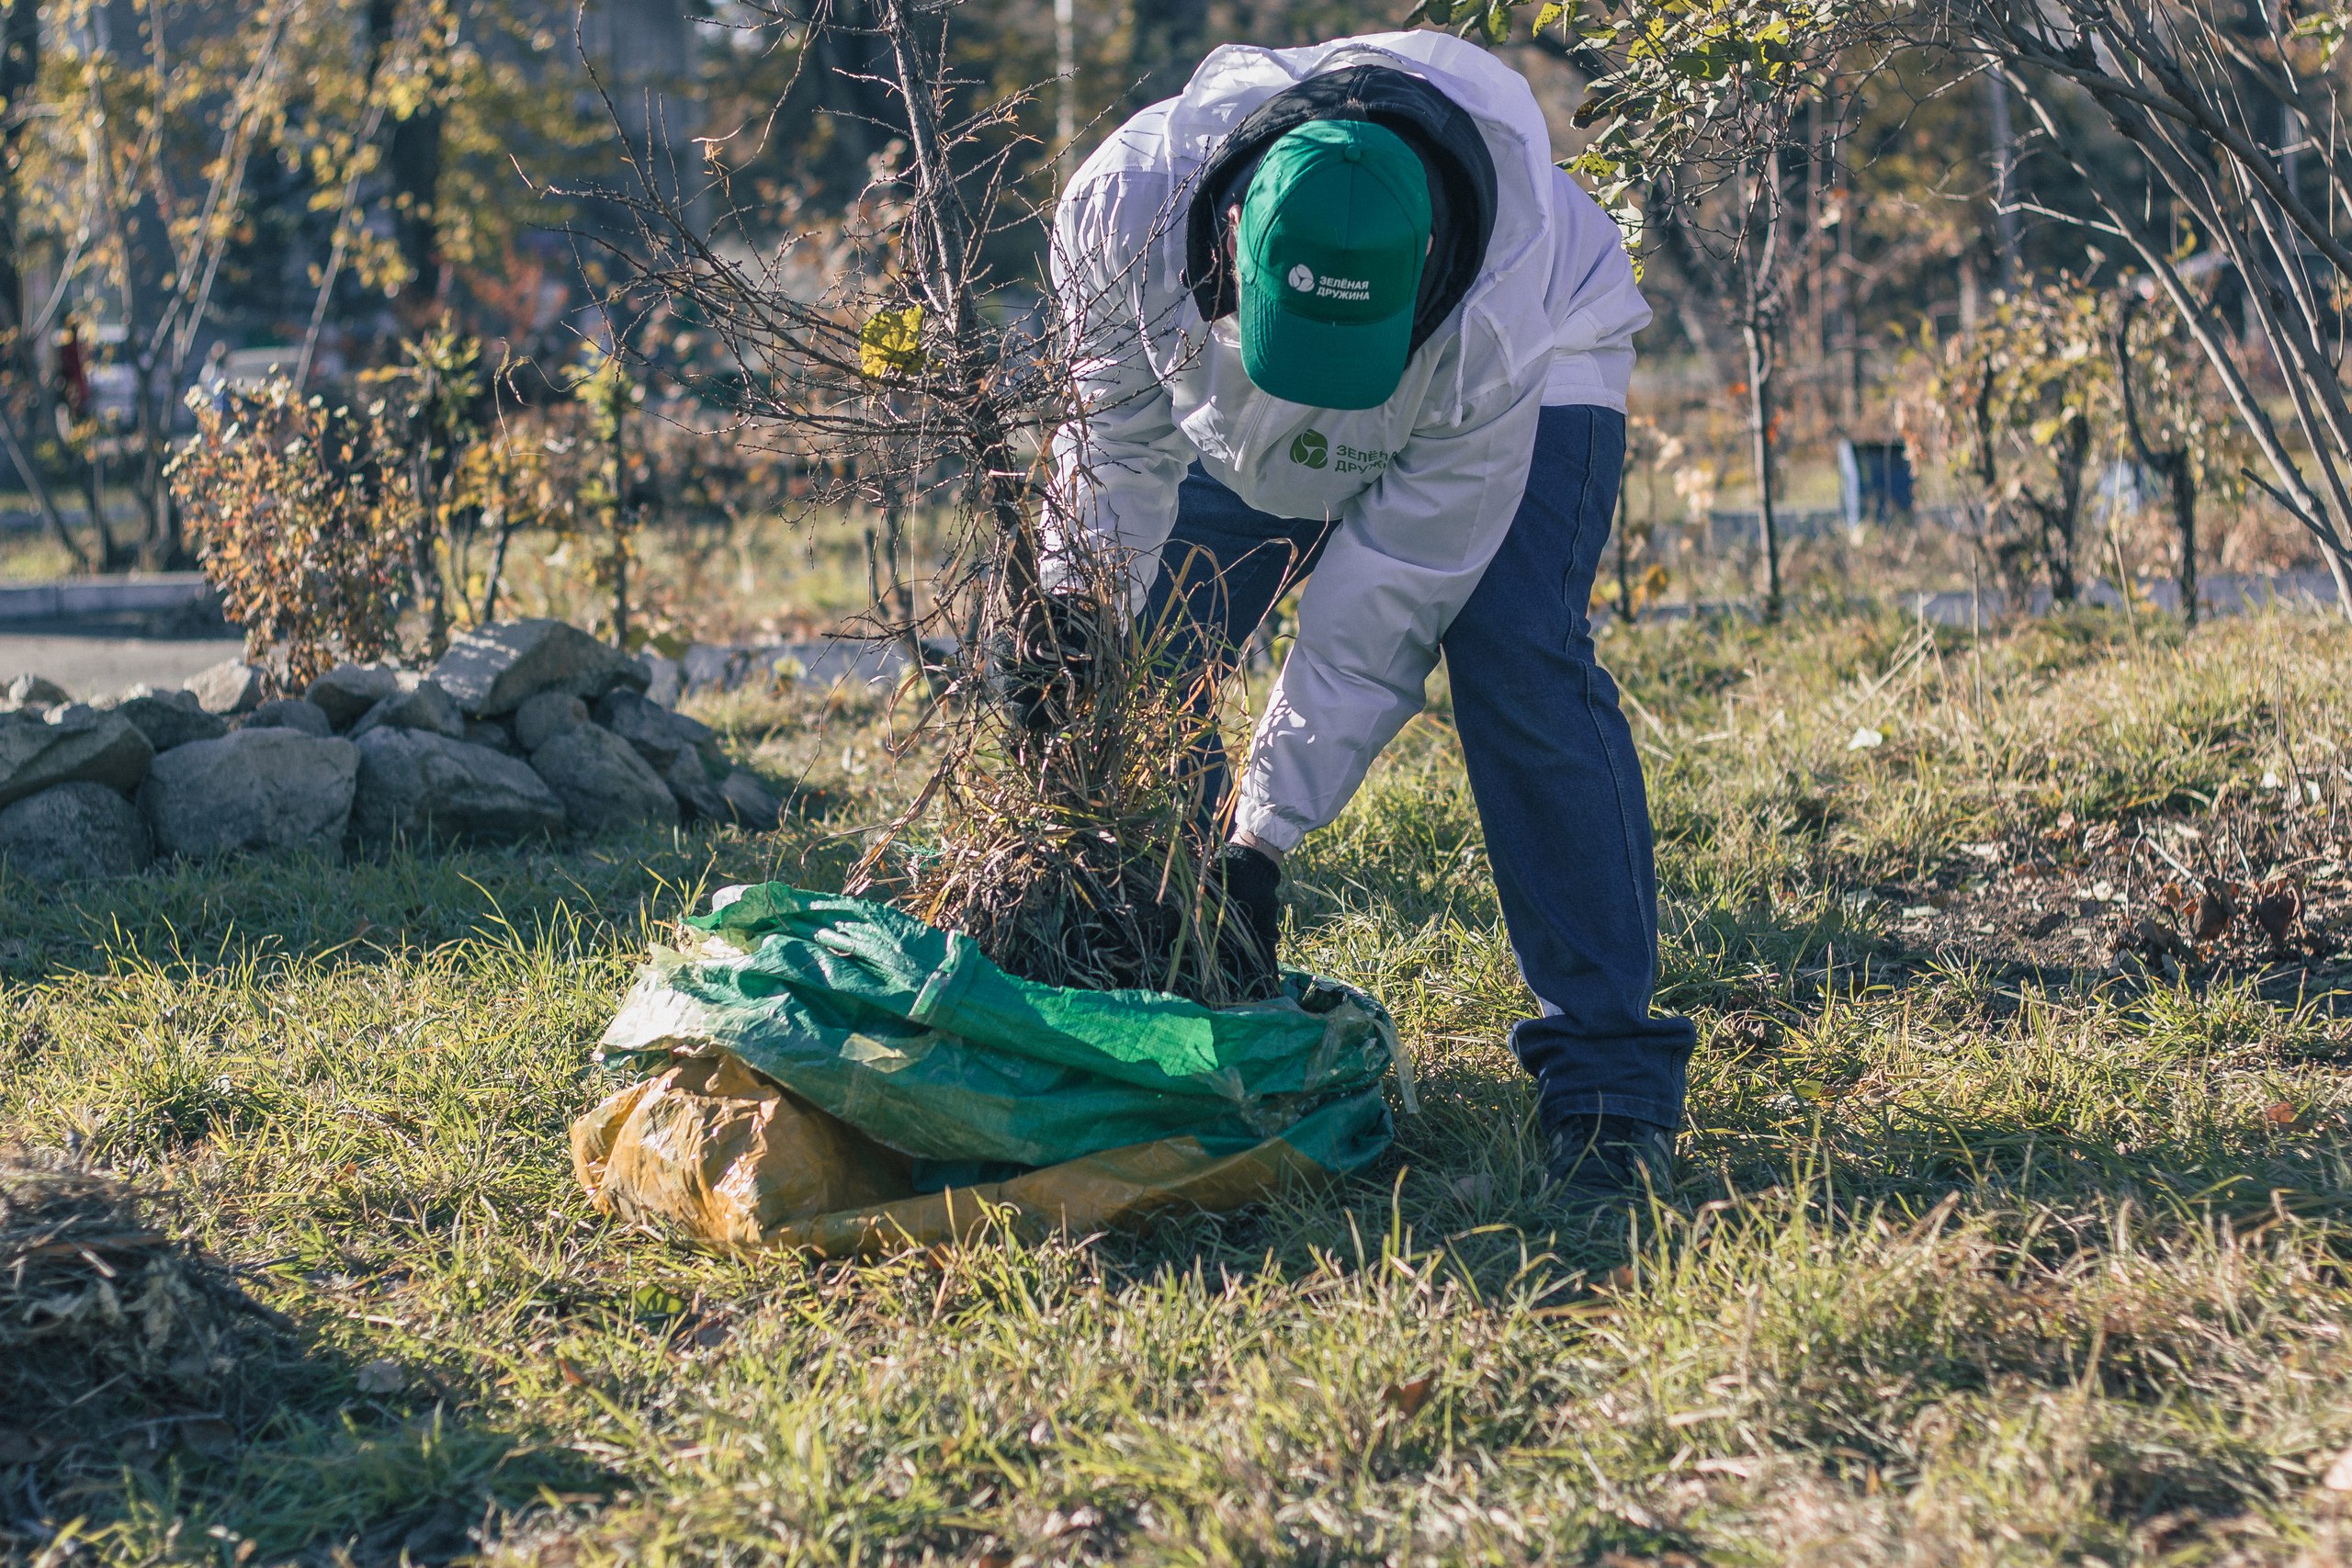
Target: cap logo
[(1302, 278)]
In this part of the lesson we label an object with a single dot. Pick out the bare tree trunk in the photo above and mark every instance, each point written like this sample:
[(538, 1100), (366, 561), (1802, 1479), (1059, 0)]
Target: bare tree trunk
[(26, 471), (2004, 173), (19, 69), (496, 576), (2183, 485), (944, 233), (1753, 333), (2172, 463), (412, 160), (617, 410), (161, 549), (2062, 518), (93, 495)]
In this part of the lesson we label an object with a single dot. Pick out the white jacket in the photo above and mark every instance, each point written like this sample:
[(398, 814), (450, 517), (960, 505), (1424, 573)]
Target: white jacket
[(1423, 487)]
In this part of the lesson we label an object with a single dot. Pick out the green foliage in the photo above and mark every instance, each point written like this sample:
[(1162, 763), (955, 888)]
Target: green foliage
[(1687, 75)]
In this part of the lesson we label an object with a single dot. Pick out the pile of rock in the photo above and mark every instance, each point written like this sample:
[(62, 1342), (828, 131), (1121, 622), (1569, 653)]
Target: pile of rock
[(523, 729)]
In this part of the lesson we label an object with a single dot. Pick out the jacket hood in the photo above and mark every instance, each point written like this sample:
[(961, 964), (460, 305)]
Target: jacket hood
[(1514, 215), (1440, 133)]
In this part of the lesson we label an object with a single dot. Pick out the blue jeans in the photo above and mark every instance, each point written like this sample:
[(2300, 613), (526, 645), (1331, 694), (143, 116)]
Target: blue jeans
[(1551, 760)]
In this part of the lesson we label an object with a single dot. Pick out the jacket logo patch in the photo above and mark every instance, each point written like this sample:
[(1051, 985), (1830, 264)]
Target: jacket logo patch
[(1302, 278), (1309, 447)]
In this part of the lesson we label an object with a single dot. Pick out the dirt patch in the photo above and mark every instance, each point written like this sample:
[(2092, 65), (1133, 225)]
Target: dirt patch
[(117, 1341), (2255, 893)]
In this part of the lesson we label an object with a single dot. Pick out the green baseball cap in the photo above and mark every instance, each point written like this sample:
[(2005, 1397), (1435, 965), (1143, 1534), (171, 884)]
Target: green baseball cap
[(1334, 233)]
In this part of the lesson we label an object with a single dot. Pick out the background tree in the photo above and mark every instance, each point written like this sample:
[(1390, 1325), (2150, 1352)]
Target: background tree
[(2237, 115), (1703, 105)]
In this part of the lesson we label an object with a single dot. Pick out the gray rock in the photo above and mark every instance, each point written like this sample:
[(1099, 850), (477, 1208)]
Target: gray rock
[(421, 786), (165, 718), (73, 744), (547, 716), (493, 670), (35, 692), (348, 691), (72, 832), (709, 666), (230, 687), (252, 789), (298, 713), (665, 677), (418, 704), (652, 730), (703, 738), (604, 783), (485, 732), (697, 793), (749, 799)]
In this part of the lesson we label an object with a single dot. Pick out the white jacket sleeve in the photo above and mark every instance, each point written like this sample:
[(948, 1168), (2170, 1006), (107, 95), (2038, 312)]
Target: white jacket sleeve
[(1119, 458), (1594, 304), (1405, 559)]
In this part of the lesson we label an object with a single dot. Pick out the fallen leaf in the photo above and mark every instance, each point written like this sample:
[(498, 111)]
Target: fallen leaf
[(2280, 906), (1745, 1469), (2155, 939), (381, 1377), (2339, 1475), (2216, 908), (1407, 1398), (2281, 1115), (993, 1559), (570, 1373), (1864, 740)]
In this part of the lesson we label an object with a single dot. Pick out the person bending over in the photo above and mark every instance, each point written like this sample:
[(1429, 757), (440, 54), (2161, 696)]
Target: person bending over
[(1338, 318)]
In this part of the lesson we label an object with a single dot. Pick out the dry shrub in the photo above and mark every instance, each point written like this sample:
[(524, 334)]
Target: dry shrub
[(1079, 857), (299, 512), (106, 1324), (878, 352)]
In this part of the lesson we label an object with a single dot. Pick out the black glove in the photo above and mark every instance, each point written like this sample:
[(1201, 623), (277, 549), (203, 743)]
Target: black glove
[(1250, 878), (1041, 664)]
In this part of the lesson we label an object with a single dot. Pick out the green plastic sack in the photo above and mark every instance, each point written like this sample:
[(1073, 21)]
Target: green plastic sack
[(911, 1036)]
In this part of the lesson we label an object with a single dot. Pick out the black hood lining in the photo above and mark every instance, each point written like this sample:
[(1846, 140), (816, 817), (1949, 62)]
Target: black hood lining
[(1440, 133)]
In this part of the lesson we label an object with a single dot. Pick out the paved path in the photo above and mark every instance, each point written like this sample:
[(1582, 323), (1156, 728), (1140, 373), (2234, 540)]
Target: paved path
[(93, 666)]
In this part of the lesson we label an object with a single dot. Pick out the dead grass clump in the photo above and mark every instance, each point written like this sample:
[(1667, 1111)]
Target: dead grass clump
[(1079, 857), (106, 1321)]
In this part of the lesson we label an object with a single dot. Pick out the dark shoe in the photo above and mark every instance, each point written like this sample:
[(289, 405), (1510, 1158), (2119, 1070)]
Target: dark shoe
[(1610, 1159)]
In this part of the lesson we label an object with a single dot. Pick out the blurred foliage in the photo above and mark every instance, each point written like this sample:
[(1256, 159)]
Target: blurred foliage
[(302, 516), (2022, 415)]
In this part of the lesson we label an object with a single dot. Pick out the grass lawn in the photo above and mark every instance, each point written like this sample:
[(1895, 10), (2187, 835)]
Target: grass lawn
[(2010, 1232)]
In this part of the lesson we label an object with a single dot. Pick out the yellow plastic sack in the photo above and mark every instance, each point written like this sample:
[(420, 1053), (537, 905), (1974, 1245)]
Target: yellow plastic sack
[(712, 1149), (715, 1149)]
